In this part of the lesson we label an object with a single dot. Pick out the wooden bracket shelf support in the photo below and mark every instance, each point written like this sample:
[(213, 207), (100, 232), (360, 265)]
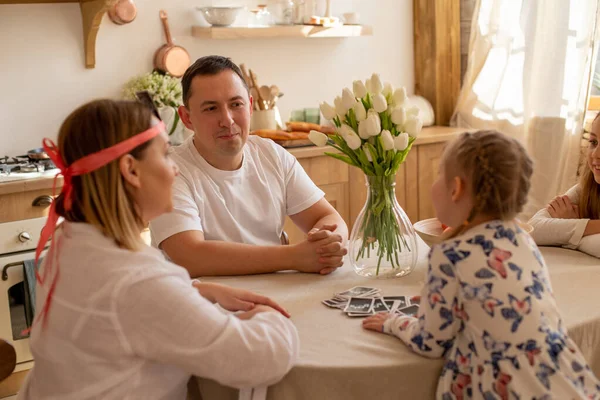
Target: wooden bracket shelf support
[(92, 12)]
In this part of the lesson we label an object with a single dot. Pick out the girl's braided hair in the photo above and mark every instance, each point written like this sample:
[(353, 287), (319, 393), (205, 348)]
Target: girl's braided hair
[(498, 170)]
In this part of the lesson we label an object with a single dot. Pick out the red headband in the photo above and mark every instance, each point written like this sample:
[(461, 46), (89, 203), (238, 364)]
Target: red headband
[(82, 166)]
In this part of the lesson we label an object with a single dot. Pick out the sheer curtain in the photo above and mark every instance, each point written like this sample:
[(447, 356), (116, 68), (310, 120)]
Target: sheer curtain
[(529, 68)]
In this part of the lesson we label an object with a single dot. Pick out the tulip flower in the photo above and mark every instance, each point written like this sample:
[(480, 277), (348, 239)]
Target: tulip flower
[(376, 84), (362, 130), (348, 99), (368, 85), (318, 138), (339, 107), (413, 126), (353, 141), (373, 127), (359, 88), (387, 140), (379, 103), (401, 141), (388, 90), (327, 110), (400, 96), (399, 116), (359, 111), (345, 131)]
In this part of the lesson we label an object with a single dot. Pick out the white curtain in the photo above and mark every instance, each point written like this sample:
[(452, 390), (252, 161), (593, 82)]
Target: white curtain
[(528, 74)]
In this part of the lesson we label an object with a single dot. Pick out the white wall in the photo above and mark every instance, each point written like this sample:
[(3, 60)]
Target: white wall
[(43, 78)]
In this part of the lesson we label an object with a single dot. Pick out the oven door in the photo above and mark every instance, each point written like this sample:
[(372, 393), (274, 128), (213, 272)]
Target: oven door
[(15, 307)]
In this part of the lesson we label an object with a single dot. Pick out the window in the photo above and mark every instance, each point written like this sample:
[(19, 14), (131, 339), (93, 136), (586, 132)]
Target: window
[(594, 103)]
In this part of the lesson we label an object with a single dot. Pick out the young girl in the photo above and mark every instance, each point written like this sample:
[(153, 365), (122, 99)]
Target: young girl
[(488, 305), (573, 220), (115, 319)]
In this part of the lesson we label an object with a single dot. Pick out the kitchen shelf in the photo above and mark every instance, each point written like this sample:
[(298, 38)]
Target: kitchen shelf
[(299, 31), (92, 12)]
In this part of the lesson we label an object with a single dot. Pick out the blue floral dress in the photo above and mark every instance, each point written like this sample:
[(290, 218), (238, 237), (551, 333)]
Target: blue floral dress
[(488, 307)]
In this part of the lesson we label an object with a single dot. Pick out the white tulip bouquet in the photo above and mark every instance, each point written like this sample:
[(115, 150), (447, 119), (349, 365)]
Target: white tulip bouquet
[(376, 127)]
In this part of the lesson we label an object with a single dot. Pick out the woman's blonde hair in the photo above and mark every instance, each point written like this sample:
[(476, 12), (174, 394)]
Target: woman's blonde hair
[(101, 197), (496, 167), (589, 201)]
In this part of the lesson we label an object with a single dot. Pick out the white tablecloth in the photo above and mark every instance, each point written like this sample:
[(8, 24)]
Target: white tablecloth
[(340, 360)]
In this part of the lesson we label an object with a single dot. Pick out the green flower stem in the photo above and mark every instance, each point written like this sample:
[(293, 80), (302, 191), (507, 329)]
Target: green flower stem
[(380, 224)]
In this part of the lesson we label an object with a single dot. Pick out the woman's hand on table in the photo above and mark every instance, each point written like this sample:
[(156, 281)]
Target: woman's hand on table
[(256, 310), (375, 322), (233, 299), (561, 207)]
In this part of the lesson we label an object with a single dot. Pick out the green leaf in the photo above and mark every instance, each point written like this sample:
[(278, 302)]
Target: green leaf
[(364, 160), (343, 158), (352, 120), (336, 121), (343, 147)]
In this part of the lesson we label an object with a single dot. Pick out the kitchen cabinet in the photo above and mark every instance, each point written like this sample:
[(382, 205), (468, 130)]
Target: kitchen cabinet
[(92, 12), (330, 175), (429, 156)]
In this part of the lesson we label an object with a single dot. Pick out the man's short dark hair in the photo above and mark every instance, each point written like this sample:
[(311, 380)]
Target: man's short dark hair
[(206, 66)]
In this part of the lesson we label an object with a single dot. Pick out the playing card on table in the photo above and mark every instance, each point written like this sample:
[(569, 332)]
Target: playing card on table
[(399, 301), (410, 310), (379, 306), (335, 303), (359, 305), (359, 314), (359, 291)]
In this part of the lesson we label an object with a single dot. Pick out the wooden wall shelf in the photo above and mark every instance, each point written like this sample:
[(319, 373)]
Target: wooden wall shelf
[(92, 12), (298, 31)]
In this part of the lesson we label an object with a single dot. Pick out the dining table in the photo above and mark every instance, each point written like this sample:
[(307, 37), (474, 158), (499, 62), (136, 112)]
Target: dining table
[(339, 360)]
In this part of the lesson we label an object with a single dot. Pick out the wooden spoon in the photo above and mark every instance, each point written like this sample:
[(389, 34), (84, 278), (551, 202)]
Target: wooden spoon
[(261, 100)]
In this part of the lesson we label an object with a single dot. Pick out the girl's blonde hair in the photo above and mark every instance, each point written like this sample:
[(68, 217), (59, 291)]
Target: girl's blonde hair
[(589, 201), (496, 167), (101, 197)]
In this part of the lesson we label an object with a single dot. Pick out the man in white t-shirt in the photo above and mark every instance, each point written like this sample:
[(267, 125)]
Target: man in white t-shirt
[(234, 191)]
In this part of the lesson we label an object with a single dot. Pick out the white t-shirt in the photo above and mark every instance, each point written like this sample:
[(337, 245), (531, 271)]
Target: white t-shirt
[(129, 325), (248, 205)]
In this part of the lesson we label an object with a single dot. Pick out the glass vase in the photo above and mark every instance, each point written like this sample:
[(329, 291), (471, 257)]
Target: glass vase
[(383, 242)]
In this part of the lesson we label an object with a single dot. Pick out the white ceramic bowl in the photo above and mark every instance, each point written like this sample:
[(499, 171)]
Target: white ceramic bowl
[(219, 16), (430, 230)]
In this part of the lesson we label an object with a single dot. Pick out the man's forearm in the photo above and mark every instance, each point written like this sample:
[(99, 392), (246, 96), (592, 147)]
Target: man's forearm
[(212, 257), (336, 219), (592, 227)]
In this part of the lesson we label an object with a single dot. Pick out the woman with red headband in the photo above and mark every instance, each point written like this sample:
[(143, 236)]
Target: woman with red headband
[(116, 320)]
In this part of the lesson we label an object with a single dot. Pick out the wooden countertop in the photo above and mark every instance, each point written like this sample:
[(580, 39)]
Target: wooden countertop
[(29, 185), (431, 134)]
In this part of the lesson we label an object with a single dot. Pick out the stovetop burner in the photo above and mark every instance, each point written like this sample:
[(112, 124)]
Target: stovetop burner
[(24, 164)]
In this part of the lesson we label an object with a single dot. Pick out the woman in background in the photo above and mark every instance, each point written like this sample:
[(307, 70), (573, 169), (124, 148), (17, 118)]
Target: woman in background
[(573, 220)]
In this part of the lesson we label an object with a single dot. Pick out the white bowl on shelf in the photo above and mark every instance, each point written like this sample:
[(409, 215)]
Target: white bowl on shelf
[(219, 16)]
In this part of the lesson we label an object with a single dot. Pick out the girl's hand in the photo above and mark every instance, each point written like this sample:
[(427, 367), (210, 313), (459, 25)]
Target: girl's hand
[(561, 207), (375, 322)]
